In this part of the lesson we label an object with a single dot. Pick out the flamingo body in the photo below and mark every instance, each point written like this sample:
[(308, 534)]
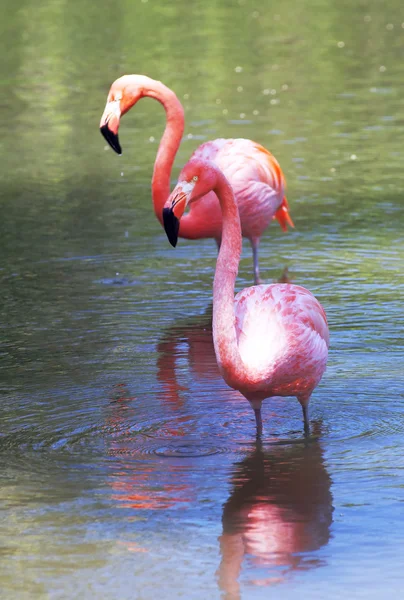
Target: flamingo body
[(258, 185), (270, 340), (282, 338), (257, 179)]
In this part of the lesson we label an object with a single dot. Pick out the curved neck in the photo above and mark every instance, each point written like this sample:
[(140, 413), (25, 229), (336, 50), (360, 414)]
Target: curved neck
[(224, 327), (169, 143)]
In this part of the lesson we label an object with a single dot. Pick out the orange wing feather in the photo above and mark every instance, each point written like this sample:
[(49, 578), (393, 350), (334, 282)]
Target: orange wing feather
[(274, 167), (283, 216)]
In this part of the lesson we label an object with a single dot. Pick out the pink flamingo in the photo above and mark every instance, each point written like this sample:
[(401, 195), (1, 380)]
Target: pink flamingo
[(255, 174), (270, 340)]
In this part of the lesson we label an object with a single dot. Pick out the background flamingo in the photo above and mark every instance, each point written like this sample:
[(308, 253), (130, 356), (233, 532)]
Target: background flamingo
[(270, 340), (257, 179)]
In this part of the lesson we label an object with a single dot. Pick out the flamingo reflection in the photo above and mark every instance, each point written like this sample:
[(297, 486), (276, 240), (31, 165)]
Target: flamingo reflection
[(136, 478), (279, 512), (193, 342)]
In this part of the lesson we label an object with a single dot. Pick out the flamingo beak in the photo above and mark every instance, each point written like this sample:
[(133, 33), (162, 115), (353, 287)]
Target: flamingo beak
[(172, 213), (109, 125)]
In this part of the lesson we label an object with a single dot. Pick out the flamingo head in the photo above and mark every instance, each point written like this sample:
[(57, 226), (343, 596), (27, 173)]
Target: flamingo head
[(124, 93), (196, 179)]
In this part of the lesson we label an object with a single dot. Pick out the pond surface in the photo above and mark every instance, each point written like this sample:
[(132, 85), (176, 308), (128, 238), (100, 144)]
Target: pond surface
[(128, 468)]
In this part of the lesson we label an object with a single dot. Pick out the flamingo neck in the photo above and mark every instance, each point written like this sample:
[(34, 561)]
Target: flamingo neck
[(224, 326), (169, 144)]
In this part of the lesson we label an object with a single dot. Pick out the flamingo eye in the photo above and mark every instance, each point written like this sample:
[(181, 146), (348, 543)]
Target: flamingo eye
[(195, 178)]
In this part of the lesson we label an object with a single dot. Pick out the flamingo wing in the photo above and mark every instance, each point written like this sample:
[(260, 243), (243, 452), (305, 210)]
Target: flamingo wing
[(258, 184)]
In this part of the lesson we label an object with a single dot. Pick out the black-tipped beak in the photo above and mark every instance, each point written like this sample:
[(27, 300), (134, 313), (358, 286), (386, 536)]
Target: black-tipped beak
[(111, 138), (171, 225)]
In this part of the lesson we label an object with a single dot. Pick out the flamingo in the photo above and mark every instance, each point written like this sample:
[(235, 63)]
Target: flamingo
[(269, 340), (254, 173)]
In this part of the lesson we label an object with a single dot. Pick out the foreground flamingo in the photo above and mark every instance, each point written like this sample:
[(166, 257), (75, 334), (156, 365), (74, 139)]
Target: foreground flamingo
[(257, 179), (270, 340)]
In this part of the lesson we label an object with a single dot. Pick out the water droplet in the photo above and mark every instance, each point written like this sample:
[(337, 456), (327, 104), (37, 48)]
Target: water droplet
[(353, 157), (238, 69), (151, 139), (239, 88), (341, 44), (382, 69)]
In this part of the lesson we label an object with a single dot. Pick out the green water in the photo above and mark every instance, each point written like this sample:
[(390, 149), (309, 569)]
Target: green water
[(129, 469)]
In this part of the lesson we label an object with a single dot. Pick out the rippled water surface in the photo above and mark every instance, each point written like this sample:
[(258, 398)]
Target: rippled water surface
[(128, 468)]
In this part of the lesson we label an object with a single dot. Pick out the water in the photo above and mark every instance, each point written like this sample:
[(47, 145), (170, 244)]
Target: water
[(129, 469)]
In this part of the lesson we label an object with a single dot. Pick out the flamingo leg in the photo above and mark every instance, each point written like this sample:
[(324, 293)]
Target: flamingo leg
[(306, 419), (258, 420), (254, 244)]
